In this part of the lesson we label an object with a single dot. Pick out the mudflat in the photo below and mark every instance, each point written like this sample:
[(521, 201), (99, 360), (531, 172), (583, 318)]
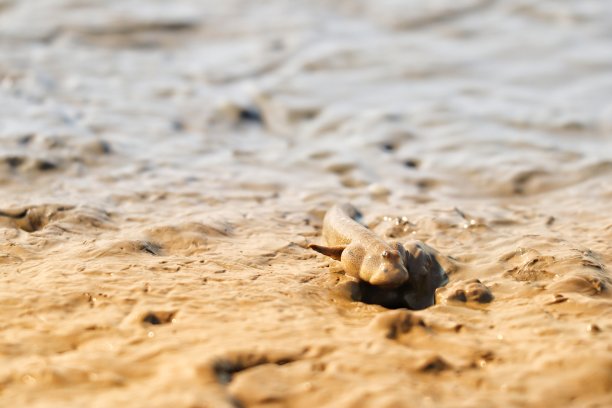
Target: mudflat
[(165, 165)]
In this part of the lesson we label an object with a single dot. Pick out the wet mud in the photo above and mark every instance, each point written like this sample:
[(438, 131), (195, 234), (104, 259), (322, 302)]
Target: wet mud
[(165, 165)]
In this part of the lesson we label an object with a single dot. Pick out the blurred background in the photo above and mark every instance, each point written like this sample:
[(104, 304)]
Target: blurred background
[(461, 97)]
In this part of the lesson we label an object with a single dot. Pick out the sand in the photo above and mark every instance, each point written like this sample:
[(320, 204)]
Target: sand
[(164, 165)]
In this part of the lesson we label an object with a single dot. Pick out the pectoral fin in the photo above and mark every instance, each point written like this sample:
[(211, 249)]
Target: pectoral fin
[(334, 252)]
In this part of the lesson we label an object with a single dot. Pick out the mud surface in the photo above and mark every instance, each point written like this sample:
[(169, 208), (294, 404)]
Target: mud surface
[(164, 165)]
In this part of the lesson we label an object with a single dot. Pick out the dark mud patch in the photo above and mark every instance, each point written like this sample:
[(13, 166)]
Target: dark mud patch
[(131, 247), (375, 295), (35, 218), (18, 163), (159, 317), (397, 323), (225, 369), (434, 365), (35, 155)]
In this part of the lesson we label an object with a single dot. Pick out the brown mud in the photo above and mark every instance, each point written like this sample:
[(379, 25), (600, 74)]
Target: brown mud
[(164, 165)]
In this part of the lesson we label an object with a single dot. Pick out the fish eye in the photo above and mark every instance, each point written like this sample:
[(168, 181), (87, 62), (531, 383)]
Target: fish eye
[(385, 254)]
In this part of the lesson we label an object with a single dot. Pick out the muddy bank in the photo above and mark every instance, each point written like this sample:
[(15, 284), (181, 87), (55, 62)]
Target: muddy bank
[(163, 168)]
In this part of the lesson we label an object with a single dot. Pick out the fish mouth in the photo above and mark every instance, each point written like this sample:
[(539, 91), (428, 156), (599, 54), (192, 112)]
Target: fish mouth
[(387, 281)]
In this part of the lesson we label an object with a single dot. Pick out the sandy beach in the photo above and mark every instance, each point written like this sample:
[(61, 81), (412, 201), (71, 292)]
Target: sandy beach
[(164, 166)]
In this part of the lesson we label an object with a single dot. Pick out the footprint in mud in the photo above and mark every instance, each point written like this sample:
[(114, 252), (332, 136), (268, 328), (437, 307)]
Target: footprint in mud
[(251, 378), (465, 291), (401, 326), (395, 323)]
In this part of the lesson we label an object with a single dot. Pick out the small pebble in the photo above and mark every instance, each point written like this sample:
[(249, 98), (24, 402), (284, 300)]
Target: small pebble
[(377, 189), (410, 163), (593, 328)]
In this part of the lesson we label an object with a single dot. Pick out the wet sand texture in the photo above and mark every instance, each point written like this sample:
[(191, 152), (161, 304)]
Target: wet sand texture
[(164, 166)]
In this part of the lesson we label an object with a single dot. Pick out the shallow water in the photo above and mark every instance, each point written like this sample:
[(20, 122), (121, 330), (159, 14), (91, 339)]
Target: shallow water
[(163, 166)]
